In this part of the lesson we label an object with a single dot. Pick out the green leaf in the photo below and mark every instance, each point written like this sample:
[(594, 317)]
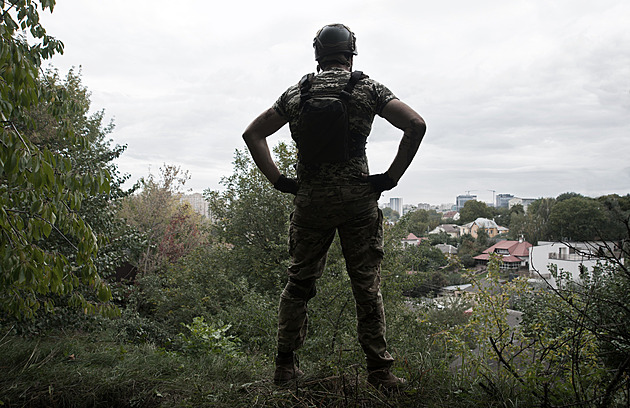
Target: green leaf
[(36, 206), (47, 228)]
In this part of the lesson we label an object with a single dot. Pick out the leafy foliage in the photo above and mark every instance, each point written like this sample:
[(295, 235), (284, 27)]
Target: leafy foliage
[(576, 219), (390, 214), (41, 191), (419, 222), (169, 230), (206, 337), (251, 217), (423, 258), (474, 209)]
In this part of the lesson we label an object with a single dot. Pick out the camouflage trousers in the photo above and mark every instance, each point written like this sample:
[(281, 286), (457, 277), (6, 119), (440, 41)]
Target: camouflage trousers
[(353, 212)]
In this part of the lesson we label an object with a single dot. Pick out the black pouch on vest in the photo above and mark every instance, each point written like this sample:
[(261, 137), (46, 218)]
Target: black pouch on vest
[(323, 124)]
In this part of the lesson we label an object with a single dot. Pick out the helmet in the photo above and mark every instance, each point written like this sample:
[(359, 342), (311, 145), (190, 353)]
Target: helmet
[(334, 39)]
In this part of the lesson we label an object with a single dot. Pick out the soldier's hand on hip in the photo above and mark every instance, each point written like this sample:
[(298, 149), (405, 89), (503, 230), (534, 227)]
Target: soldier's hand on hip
[(286, 185), (381, 182)]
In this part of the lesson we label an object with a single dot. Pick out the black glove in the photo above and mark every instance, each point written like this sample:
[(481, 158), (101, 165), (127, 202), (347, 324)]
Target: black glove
[(381, 182), (286, 185)]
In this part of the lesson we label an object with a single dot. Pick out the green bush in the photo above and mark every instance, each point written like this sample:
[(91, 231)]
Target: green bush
[(209, 338)]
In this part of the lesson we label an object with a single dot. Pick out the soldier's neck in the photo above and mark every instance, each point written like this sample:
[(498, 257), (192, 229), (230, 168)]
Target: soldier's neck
[(338, 66)]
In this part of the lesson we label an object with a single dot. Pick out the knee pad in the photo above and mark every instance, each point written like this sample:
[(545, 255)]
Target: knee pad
[(302, 289)]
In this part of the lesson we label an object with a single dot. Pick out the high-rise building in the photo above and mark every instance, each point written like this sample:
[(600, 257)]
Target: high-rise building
[(503, 200), (525, 202), (461, 200), (197, 203), (396, 204), (407, 208)]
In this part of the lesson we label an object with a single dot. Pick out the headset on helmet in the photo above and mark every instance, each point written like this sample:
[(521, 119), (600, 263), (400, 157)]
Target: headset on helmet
[(334, 39)]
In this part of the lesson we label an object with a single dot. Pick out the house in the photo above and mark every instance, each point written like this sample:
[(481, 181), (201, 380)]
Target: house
[(514, 254), (489, 226), (570, 257), (453, 215), (456, 291), (447, 249), (452, 230), (412, 239)]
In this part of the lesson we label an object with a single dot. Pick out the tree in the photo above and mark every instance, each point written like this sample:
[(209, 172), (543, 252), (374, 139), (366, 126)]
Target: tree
[(419, 222), (566, 196), (40, 191), (471, 247), (594, 307), (615, 206), (474, 209), (550, 359), (576, 218), (115, 238), (503, 216), (251, 218), (442, 238), (390, 214), (182, 235), (423, 258), (536, 223), (151, 211)]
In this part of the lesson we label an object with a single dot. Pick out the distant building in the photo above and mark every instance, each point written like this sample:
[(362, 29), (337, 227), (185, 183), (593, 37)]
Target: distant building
[(396, 204), (525, 202), (424, 206), (453, 215), (453, 230), (412, 239), (197, 203), (514, 254), (407, 208), (460, 200), (503, 200), (570, 257), (447, 249), (489, 226)]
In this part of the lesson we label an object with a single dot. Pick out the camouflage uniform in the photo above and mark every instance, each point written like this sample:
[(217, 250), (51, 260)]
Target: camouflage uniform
[(334, 197)]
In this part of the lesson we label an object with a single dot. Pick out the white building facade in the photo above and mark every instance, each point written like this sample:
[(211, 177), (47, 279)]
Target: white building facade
[(569, 257)]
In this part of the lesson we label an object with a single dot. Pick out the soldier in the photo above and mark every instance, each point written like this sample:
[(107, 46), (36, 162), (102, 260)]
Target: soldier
[(330, 116)]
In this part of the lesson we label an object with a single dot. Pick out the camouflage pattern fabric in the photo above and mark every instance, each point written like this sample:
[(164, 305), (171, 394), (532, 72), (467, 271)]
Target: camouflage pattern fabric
[(319, 213), (368, 99), (335, 198)]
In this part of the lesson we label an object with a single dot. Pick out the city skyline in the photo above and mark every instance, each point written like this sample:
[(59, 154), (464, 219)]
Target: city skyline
[(387, 201)]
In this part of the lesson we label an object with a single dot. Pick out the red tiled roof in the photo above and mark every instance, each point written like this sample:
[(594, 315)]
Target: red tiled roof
[(504, 258), (515, 248), (411, 237)]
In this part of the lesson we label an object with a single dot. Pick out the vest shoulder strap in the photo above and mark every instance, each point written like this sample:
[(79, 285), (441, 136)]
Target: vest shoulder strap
[(355, 77), (305, 87), (307, 81)]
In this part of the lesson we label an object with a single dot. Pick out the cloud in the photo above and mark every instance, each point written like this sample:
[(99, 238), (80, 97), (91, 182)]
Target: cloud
[(526, 97)]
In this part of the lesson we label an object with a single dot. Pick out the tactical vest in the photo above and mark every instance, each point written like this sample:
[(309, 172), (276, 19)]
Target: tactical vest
[(323, 128)]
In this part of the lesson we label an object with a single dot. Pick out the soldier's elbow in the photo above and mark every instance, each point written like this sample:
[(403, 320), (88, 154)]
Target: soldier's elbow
[(248, 137), (416, 130), (419, 125)]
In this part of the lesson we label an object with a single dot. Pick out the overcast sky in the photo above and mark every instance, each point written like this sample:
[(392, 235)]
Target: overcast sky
[(526, 97)]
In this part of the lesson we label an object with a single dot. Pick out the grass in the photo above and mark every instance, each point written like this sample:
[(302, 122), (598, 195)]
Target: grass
[(84, 370), (101, 365), (93, 370)]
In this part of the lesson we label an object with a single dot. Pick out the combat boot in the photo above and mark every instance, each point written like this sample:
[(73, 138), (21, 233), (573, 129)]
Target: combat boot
[(383, 378), (286, 369)]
